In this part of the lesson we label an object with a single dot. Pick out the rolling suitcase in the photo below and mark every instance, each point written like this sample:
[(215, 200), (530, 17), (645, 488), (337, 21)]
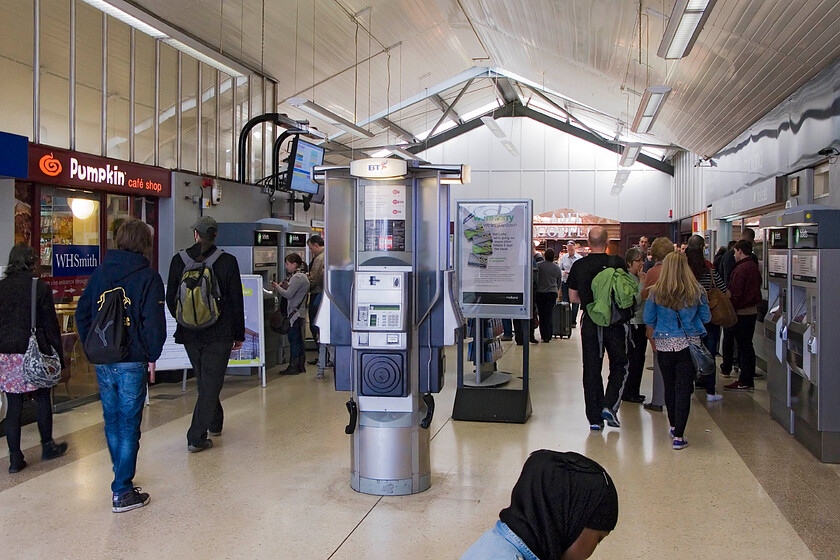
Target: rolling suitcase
[(562, 319)]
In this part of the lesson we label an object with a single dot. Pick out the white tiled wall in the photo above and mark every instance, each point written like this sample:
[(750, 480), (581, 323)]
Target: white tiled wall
[(556, 170)]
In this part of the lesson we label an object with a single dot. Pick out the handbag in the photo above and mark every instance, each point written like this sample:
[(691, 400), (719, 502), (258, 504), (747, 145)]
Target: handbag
[(40, 370), (723, 313), (704, 362), (279, 323)]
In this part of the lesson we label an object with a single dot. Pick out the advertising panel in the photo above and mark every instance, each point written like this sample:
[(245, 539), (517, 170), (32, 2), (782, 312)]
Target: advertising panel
[(493, 244)]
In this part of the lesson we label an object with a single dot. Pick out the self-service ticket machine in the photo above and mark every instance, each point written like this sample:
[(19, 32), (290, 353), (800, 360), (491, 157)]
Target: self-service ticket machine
[(812, 349), (389, 311), (776, 319), (257, 249)]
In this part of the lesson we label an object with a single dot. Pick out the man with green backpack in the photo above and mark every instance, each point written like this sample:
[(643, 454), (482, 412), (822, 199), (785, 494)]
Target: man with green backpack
[(204, 294)]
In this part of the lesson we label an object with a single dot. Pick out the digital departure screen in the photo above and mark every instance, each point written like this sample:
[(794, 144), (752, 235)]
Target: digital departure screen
[(304, 157)]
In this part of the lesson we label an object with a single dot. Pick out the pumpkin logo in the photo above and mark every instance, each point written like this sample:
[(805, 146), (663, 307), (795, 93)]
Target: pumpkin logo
[(50, 166)]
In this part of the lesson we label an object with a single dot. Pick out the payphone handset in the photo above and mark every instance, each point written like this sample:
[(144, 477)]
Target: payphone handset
[(380, 310)]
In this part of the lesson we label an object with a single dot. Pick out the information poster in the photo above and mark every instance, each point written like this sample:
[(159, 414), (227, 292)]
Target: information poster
[(493, 243), (252, 354), (385, 217)]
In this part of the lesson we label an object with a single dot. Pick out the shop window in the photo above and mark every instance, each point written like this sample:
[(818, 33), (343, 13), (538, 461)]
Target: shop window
[(122, 207), (69, 240), (821, 187), (23, 213), (16, 33)]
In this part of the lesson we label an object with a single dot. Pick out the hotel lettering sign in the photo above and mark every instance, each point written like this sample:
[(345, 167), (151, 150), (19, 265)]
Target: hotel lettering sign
[(55, 166)]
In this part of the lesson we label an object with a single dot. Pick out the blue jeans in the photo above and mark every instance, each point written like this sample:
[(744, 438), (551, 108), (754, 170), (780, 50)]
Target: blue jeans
[(499, 543), (122, 389), (295, 334)]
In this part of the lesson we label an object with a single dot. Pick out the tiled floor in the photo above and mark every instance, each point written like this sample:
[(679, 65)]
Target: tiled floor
[(276, 485)]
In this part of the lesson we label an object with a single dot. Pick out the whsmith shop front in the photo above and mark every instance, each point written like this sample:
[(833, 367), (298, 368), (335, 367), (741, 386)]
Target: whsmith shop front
[(68, 209)]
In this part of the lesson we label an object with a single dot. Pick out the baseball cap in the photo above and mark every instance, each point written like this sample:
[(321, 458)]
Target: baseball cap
[(204, 224)]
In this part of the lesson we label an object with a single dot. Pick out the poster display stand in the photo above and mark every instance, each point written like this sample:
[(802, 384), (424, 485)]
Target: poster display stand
[(252, 353), (493, 253)]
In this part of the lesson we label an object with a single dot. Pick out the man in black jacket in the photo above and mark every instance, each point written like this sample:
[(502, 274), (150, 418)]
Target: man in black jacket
[(209, 348)]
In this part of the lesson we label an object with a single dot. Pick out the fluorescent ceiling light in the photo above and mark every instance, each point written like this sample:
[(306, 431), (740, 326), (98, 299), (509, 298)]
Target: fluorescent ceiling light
[(510, 147), (316, 110), (629, 155), (494, 127), (684, 25), (652, 101), (151, 26), (621, 177), (616, 190)]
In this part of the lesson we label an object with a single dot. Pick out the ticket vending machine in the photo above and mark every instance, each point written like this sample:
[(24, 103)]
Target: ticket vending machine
[(777, 271), (812, 352), (389, 311)]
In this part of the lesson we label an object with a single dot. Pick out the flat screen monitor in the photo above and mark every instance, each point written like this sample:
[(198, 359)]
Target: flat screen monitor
[(304, 156)]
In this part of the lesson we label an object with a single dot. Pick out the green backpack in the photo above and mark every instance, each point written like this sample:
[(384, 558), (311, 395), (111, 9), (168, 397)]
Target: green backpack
[(198, 293)]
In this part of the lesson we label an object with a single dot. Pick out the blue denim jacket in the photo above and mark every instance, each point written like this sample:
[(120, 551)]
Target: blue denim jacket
[(666, 324), (499, 543)]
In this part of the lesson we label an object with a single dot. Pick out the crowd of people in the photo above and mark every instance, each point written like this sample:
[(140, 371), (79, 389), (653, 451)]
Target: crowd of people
[(669, 312), (120, 319)]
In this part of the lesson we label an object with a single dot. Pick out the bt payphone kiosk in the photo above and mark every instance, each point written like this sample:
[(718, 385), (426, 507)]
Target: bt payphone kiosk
[(777, 270), (812, 352), (389, 311)]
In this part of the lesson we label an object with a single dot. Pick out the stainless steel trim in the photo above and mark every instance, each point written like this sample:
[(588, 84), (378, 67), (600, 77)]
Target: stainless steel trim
[(72, 74), (103, 142), (36, 71), (178, 115), (132, 68), (198, 117), (217, 149), (156, 125)]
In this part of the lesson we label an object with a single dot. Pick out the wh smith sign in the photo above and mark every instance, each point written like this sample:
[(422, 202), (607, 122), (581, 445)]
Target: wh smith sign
[(73, 169), (74, 260)]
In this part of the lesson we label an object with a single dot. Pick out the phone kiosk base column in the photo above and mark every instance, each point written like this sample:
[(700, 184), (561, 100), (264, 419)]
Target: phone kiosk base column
[(389, 312)]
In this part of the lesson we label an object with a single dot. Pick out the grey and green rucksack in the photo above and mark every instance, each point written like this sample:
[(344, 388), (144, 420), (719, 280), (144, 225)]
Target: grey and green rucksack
[(198, 293)]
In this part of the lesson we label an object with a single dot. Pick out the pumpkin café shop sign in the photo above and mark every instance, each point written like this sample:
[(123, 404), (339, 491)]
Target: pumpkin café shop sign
[(72, 169)]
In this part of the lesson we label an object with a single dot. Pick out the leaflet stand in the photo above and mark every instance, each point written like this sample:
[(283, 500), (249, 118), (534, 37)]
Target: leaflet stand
[(493, 246)]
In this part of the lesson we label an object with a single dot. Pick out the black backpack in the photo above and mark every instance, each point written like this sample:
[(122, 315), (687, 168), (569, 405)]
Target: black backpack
[(107, 342)]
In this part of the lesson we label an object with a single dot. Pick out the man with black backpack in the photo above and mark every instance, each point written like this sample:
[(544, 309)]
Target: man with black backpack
[(204, 294), (601, 405), (121, 323)]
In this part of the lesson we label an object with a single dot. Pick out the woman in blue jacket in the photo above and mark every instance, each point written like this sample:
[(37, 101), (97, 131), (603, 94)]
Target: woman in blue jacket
[(676, 311), (122, 385)]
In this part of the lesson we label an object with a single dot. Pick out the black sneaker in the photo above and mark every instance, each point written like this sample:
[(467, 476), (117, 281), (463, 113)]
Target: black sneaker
[(130, 500), (215, 432), (200, 445)]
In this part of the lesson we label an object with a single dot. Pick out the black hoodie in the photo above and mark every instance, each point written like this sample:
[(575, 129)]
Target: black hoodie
[(144, 287)]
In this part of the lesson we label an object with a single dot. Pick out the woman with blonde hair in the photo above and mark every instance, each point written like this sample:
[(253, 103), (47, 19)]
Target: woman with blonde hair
[(676, 310)]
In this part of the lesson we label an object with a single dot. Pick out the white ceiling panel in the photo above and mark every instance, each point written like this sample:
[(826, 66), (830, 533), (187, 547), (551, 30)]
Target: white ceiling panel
[(748, 58)]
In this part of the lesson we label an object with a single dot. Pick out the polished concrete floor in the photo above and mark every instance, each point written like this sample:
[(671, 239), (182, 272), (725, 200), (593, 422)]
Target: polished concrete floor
[(276, 484)]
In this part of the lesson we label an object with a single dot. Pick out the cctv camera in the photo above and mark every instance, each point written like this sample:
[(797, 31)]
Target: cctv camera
[(830, 151)]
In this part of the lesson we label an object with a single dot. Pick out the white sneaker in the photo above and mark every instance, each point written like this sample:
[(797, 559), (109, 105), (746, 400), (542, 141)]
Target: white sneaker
[(713, 398)]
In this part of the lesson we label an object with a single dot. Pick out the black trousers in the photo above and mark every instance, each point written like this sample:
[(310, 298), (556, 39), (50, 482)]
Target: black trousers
[(744, 330), (615, 346), (43, 415), (678, 374), (636, 360), (314, 303), (545, 309), (209, 361), (523, 330)]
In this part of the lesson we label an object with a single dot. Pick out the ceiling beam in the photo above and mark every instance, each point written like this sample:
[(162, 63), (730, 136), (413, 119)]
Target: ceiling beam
[(451, 108), (438, 102), (397, 129), (507, 90), (516, 109)]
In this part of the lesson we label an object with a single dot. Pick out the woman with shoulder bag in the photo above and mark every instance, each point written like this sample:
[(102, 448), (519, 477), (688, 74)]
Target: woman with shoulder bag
[(708, 278), (16, 310), (294, 291), (677, 310)]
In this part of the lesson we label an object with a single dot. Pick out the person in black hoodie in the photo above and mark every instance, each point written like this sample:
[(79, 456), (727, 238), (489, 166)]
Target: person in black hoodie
[(16, 311), (122, 385), (561, 508), (209, 348)]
